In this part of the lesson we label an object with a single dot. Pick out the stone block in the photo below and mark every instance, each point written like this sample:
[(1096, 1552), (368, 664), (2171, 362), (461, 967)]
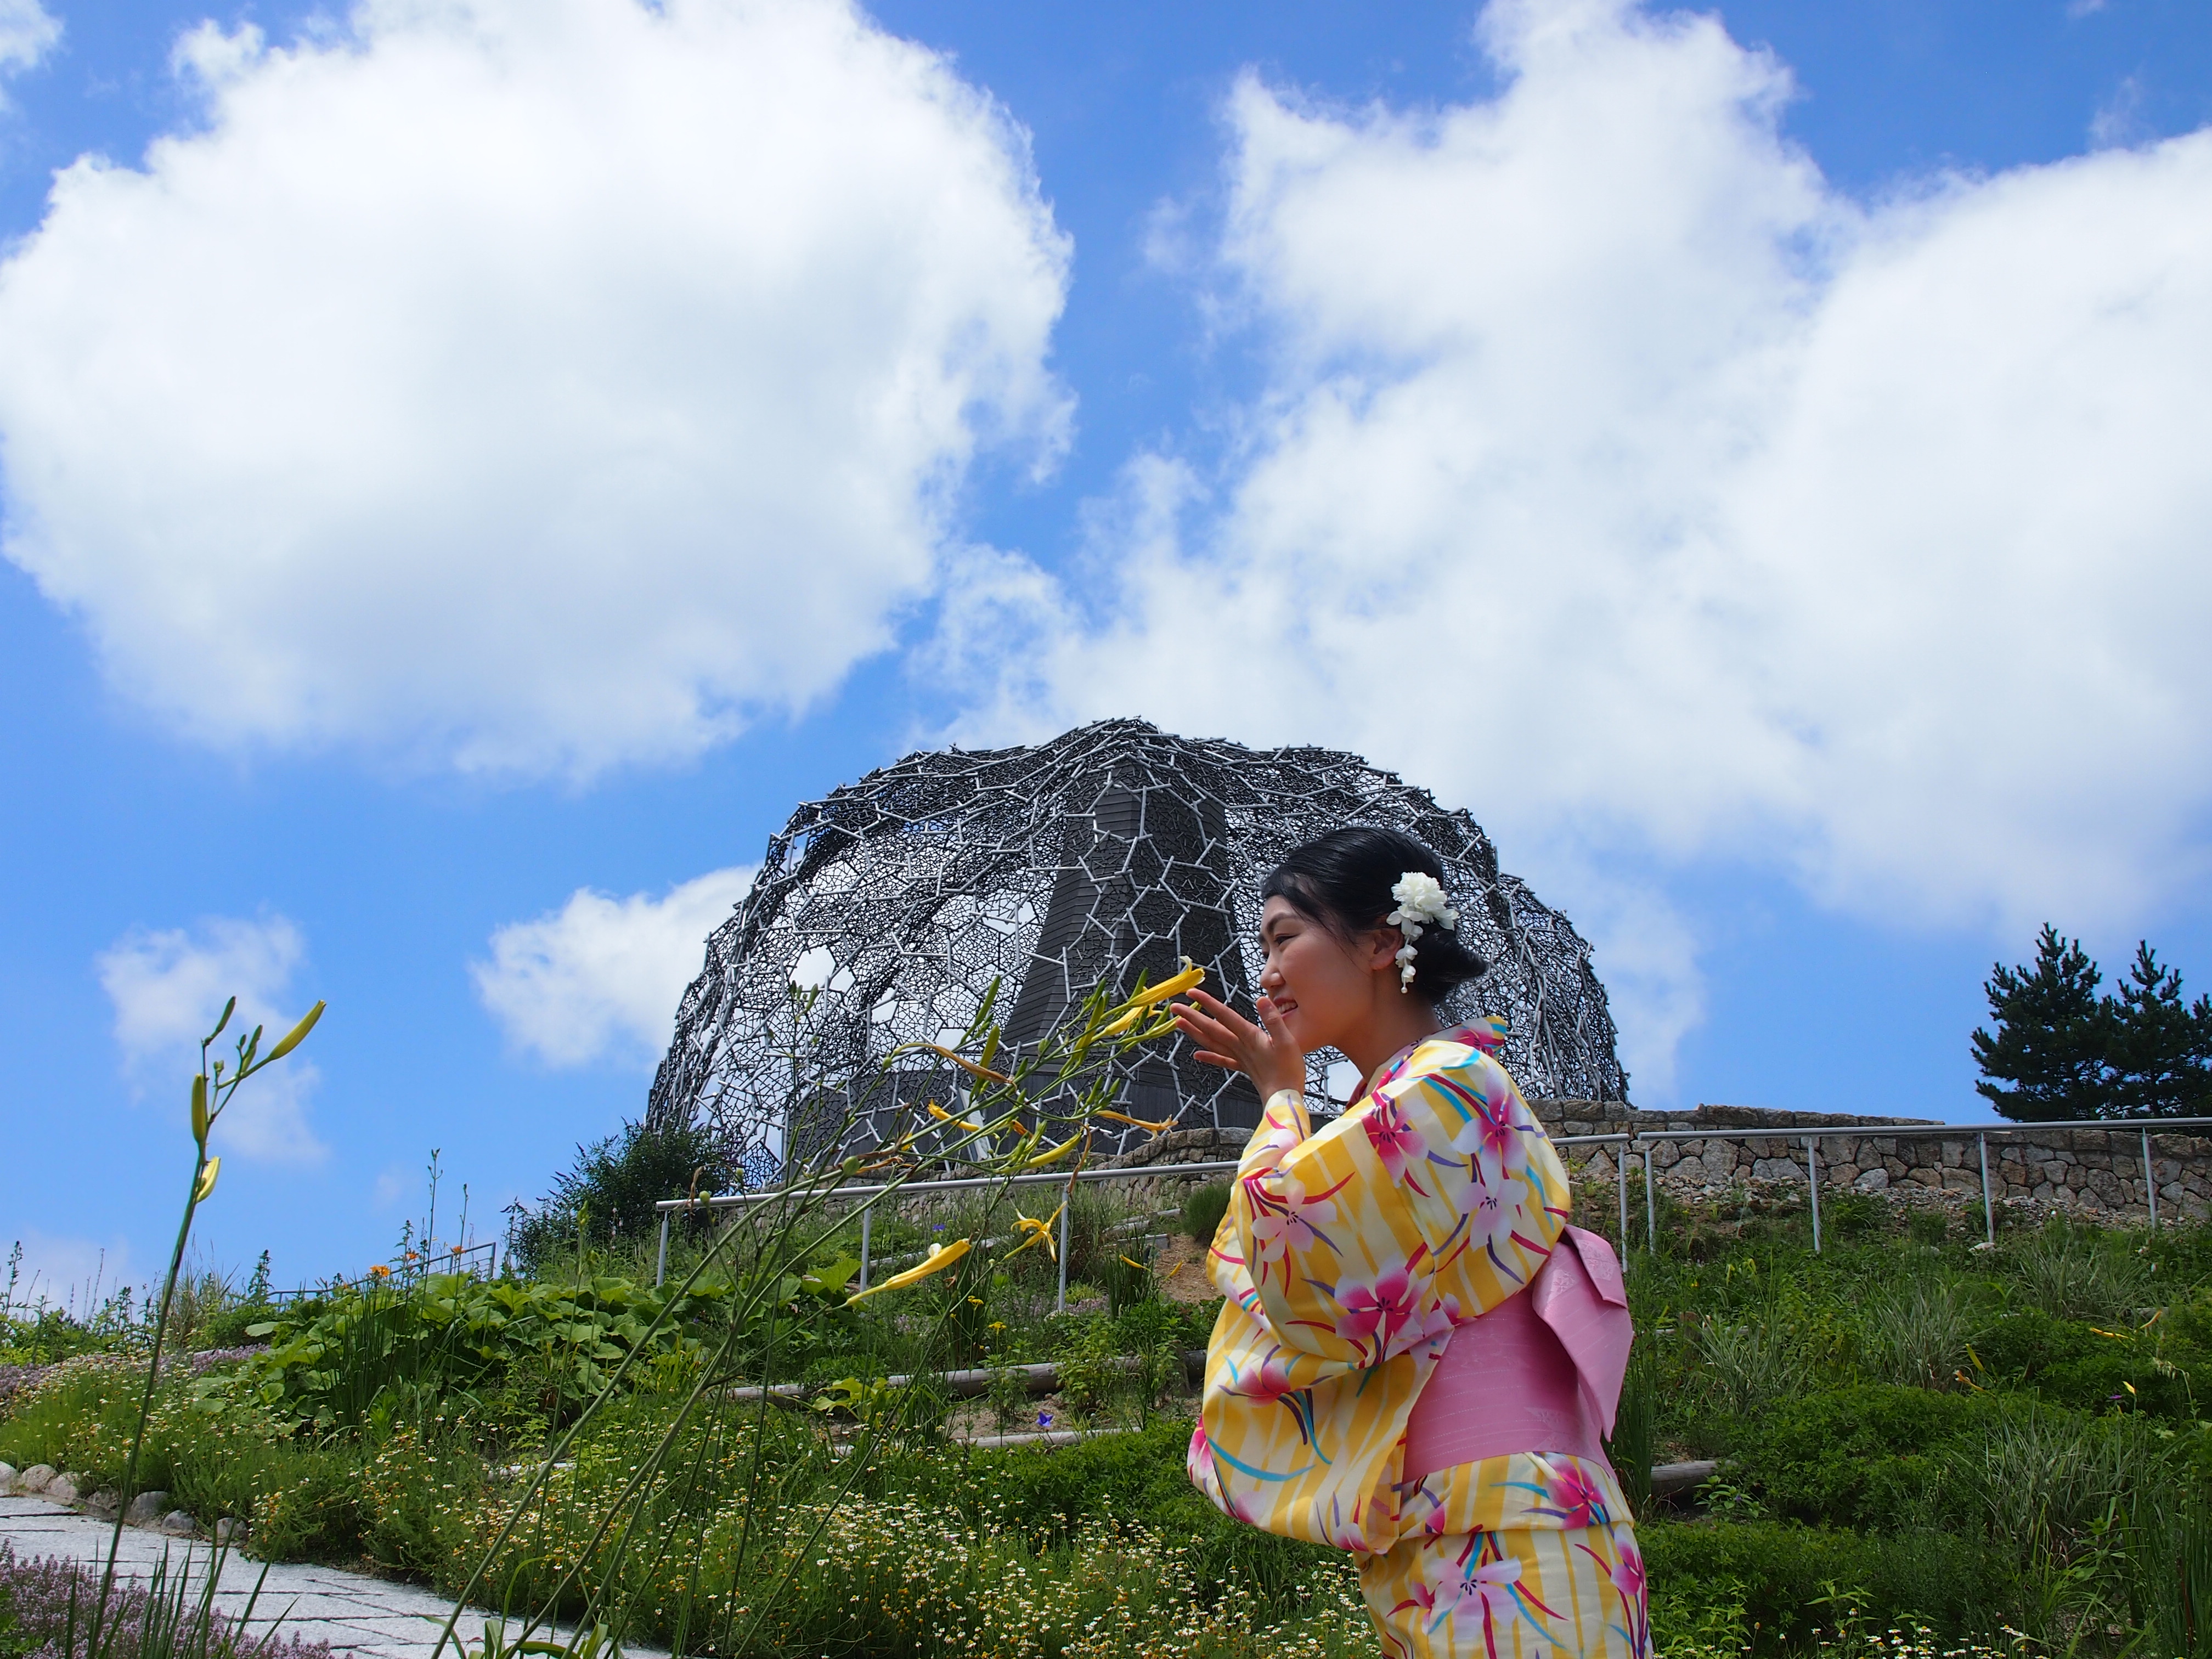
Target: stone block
[(1776, 1168), (104, 1504), (229, 1531), (146, 1509), (37, 1478), (62, 1488), (1896, 1167), (179, 1523), (1875, 1180), (8, 1473)]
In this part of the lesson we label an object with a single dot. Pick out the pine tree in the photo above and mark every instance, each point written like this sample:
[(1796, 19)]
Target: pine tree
[(2049, 1057), (2162, 1046)]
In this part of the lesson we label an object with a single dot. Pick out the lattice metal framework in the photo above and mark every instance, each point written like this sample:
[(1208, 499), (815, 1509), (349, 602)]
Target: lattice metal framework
[(1110, 852)]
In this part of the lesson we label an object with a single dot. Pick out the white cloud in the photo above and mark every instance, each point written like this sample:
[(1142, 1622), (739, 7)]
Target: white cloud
[(526, 385), (601, 977), (169, 988), (1618, 476), (2119, 118), (27, 33)]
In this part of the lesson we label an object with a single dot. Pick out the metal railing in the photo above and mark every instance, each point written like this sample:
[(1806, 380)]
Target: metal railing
[(670, 1206), (477, 1260), (1643, 1141), (1631, 1141)]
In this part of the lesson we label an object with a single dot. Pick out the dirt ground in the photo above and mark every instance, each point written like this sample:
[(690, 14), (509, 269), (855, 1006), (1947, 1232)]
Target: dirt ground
[(1182, 1270)]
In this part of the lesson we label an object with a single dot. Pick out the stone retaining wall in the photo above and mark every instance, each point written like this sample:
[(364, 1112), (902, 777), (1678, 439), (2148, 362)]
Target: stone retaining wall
[(2086, 1171)]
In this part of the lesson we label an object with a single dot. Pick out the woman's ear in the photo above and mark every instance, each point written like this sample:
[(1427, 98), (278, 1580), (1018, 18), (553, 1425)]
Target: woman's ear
[(1379, 949)]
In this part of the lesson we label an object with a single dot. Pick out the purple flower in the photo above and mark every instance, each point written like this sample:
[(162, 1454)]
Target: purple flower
[(1044, 1419), (39, 1591)]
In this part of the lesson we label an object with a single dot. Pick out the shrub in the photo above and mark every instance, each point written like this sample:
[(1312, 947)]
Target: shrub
[(1139, 1479), (1203, 1209), (1921, 1333), (2071, 1274), (610, 1193), (81, 1416), (1792, 1580), (308, 1504), (2089, 1368), (1858, 1457), (377, 1353), (1928, 1226)]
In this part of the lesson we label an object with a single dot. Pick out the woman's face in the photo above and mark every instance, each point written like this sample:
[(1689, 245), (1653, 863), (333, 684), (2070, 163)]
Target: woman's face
[(1321, 987)]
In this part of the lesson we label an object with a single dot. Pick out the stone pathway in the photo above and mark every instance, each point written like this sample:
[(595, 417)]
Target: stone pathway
[(351, 1611)]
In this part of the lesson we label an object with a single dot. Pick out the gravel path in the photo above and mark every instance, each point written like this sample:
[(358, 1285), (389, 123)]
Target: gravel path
[(354, 1613)]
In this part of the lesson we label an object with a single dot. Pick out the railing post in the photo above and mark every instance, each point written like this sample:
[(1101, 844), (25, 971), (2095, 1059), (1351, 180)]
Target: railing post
[(1620, 1182), (1650, 1210), (867, 1216), (1813, 1179), (1066, 1204), (660, 1267), (1988, 1205), (2150, 1181)]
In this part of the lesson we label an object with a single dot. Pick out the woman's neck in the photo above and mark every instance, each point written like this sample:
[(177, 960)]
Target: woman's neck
[(1394, 1021)]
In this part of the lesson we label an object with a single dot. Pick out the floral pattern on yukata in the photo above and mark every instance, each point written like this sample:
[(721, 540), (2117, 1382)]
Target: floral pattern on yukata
[(1518, 1593), (1346, 1257)]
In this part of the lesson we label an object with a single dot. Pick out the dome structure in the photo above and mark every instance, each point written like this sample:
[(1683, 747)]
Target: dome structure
[(1105, 854)]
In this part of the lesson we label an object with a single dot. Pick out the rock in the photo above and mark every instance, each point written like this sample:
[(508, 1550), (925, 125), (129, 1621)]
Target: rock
[(228, 1531), (7, 1477), (179, 1523), (1875, 1180), (1668, 1479), (146, 1509), (62, 1489), (37, 1478), (104, 1504)]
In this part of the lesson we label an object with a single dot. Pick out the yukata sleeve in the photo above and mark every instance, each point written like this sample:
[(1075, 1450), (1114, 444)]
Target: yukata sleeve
[(1352, 1236)]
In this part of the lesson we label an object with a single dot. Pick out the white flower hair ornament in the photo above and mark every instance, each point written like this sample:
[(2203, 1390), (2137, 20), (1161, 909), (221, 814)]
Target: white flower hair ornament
[(1421, 904)]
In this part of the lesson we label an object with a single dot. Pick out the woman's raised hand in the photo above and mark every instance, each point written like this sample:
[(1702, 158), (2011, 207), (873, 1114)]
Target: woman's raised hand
[(1267, 1052)]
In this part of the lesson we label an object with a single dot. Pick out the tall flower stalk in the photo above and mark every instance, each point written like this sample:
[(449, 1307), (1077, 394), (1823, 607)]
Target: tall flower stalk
[(212, 1092), (1027, 1108)]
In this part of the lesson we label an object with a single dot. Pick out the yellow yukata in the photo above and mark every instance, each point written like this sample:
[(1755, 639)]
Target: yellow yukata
[(1346, 1258)]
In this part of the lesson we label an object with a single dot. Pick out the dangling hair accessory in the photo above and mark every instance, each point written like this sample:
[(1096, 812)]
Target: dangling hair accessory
[(1421, 904)]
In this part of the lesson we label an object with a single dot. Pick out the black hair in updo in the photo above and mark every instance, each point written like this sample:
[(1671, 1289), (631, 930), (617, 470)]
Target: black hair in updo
[(1342, 880)]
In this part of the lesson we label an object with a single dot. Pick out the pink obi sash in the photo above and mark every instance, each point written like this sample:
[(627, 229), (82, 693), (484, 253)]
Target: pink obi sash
[(1540, 1372)]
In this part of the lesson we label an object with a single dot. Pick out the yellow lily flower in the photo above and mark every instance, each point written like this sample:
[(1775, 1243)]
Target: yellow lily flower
[(940, 1257), (944, 1116), (1039, 1233), (205, 1188), (1140, 1266), (1053, 1156), (1161, 1127), (1191, 976), (962, 1061), (1116, 1027)]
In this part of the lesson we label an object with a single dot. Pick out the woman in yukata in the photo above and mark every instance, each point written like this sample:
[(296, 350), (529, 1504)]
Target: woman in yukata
[(1418, 1357)]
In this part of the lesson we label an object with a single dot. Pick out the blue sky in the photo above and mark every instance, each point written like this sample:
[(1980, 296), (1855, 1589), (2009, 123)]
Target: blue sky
[(486, 465)]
